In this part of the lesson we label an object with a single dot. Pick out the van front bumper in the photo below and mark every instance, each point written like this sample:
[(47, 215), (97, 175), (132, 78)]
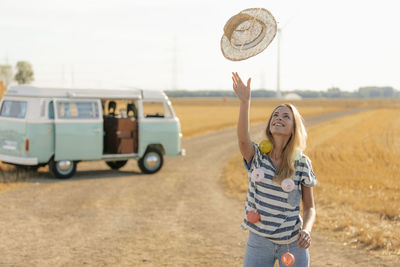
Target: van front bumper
[(31, 161)]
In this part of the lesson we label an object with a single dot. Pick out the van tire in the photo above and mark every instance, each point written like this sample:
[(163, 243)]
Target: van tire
[(115, 165), (152, 161), (57, 171)]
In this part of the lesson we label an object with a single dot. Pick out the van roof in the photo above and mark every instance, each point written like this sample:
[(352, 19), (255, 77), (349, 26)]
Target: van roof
[(32, 91)]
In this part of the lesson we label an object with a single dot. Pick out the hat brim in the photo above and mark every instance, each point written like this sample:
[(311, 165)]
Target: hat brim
[(234, 53)]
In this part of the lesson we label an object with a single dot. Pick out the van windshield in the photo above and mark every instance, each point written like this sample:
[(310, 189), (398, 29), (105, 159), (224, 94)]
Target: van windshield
[(13, 109)]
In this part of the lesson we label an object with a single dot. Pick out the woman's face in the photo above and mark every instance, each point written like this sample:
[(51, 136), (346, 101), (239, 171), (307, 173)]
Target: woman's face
[(282, 121)]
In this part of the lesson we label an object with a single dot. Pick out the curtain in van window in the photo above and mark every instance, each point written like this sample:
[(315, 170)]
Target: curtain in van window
[(13, 109), (78, 110)]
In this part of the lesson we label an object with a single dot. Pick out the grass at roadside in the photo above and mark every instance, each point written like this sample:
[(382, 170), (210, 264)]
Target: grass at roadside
[(11, 177)]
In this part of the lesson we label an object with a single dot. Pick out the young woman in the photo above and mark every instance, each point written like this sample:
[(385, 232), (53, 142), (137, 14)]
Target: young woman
[(272, 210)]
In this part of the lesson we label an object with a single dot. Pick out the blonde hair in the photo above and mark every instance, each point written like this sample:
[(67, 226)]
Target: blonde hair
[(296, 144)]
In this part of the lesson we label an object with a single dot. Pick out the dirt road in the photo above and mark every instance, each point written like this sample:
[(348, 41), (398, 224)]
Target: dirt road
[(177, 217)]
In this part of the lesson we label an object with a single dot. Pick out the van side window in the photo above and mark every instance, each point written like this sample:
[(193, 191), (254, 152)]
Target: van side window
[(153, 109), (51, 110), (77, 110), (13, 109)]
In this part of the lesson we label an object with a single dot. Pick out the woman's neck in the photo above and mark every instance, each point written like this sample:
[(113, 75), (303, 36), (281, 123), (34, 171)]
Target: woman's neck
[(279, 144)]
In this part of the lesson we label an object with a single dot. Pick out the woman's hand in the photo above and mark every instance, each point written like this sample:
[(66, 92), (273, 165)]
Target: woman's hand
[(304, 240), (242, 91)]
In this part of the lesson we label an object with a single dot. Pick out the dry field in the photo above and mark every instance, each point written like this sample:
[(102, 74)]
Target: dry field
[(202, 115), (356, 160)]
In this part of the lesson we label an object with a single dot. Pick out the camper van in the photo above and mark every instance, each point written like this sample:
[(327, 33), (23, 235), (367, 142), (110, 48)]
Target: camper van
[(62, 127)]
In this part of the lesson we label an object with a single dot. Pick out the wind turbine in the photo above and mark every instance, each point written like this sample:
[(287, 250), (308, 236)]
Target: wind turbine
[(278, 66), (278, 61)]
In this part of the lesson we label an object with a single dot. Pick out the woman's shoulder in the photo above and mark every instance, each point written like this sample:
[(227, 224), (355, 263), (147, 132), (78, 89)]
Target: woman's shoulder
[(307, 174), (303, 160)]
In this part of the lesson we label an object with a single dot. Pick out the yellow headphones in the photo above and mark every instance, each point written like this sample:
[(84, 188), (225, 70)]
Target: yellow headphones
[(265, 146)]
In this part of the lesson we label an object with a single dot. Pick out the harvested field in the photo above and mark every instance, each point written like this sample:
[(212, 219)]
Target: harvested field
[(356, 162), (359, 169), (199, 116)]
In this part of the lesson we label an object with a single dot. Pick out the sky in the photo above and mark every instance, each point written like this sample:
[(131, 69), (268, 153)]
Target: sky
[(175, 44)]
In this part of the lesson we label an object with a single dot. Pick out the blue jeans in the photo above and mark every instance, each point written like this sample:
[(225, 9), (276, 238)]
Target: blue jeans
[(262, 252)]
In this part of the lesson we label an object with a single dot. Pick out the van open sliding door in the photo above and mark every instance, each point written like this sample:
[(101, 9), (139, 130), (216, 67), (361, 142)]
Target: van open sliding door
[(78, 129)]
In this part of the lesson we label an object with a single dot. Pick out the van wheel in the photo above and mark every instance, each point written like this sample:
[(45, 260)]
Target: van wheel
[(62, 169), (115, 165), (151, 161)]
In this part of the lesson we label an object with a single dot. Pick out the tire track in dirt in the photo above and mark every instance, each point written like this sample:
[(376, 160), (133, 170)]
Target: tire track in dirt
[(177, 217)]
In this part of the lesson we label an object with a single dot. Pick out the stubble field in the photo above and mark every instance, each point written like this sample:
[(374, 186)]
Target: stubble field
[(356, 161), (202, 115)]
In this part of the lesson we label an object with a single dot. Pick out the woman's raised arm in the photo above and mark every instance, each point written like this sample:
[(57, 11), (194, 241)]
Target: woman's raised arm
[(243, 93)]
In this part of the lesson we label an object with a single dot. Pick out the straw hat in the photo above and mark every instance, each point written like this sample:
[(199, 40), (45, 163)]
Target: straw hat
[(248, 34)]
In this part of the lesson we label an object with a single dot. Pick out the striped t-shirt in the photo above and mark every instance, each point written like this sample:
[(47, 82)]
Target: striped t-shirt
[(280, 211)]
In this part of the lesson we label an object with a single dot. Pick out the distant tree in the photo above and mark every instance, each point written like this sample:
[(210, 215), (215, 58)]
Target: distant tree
[(24, 72), (388, 91), (263, 93), (363, 92), (307, 93), (373, 91), (353, 94), (334, 92), (6, 74)]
